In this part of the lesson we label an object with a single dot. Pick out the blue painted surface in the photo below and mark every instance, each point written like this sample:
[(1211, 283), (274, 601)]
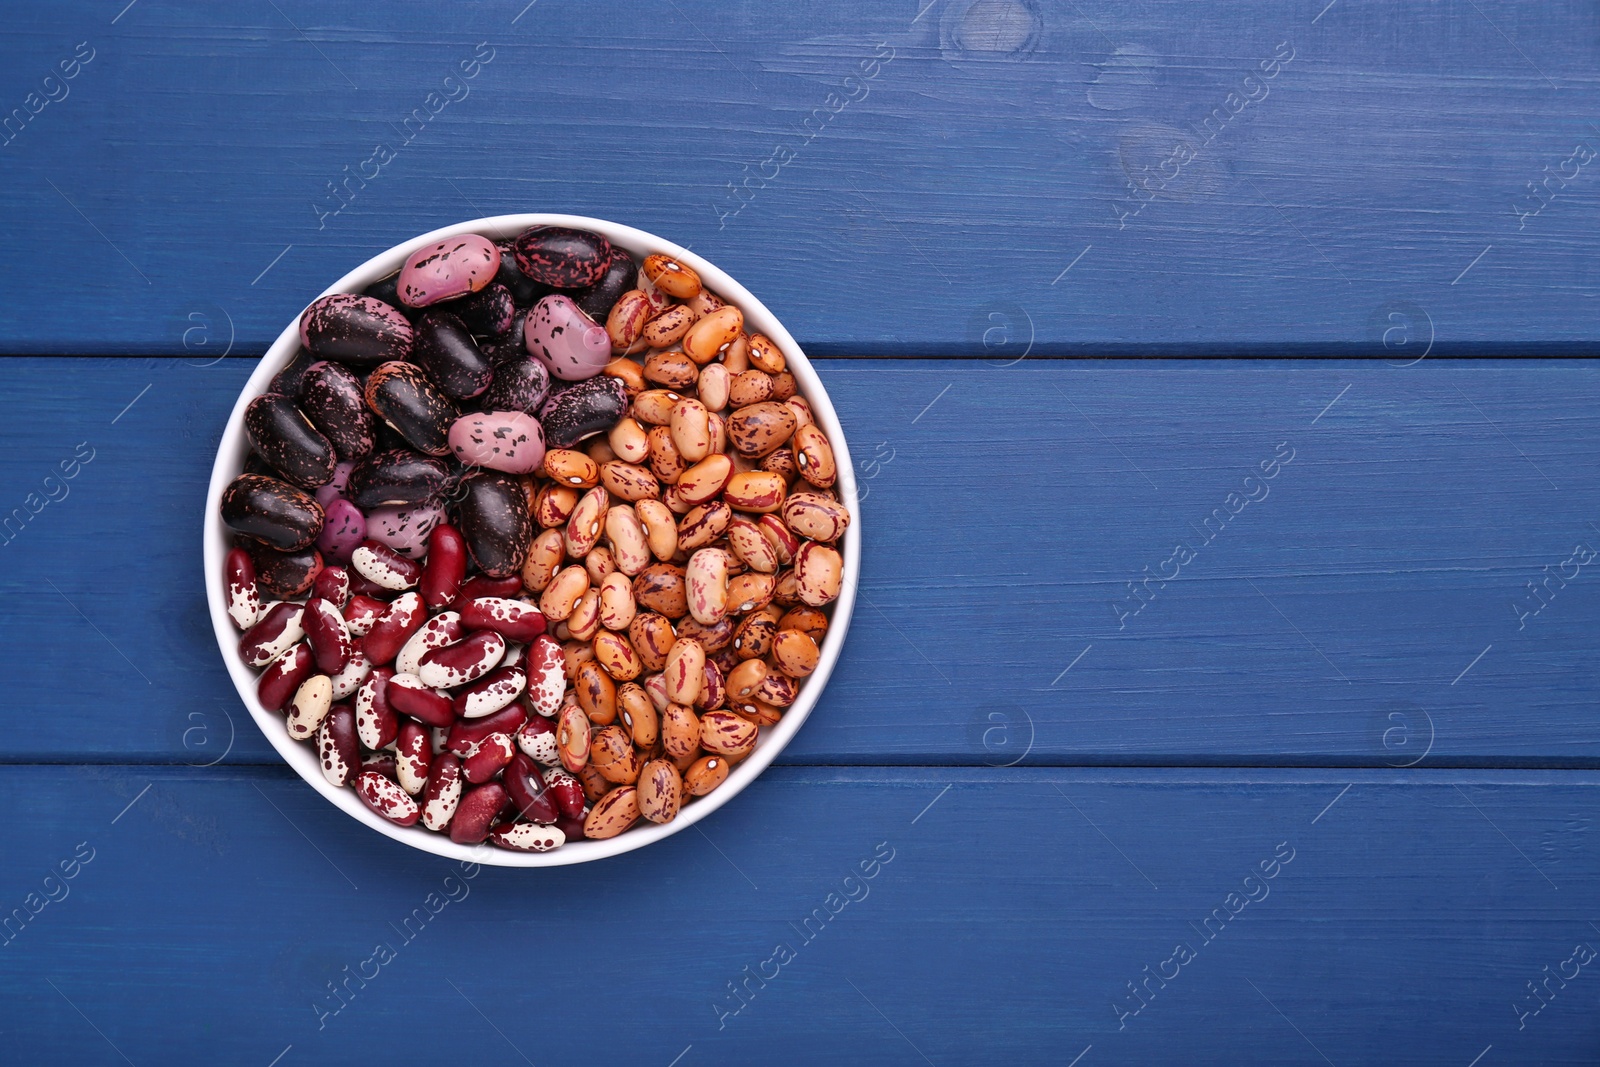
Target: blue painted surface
[(1068, 786), (1372, 188)]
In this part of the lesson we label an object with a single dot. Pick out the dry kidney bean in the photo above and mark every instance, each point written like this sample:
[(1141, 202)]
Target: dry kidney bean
[(681, 559)]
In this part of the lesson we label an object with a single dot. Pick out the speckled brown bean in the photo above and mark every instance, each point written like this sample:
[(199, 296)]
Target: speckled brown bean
[(599, 563), (781, 462), (599, 450), (704, 480), (737, 356), (819, 572), (717, 430), (628, 372), (691, 429), (758, 491), (814, 456), (584, 622), (614, 813), (753, 638), (572, 737), (800, 409), (665, 461), (660, 791), (750, 387), (782, 539), (660, 587), (628, 440), (815, 516), (611, 753), (586, 522), (626, 322), (759, 429), (680, 731), (543, 560), (597, 693), (652, 638), (787, 592), (653, 407), (776, 689), (713, 386), (703, 525), (784, 386), (712, 333), (675, 278), (560, 597), (635, 712), (671, 369), (617, 607), (684, 673), (668, 327), (743, 679), (616, 656), (765, 355), (568, 467), (705, 774), (553, 504), (626, 481), (712, 638), (625, 534), (751, 547), (756, 712), (808, 620), (660, 528), (723, 733), (706, 581), (750, 592)]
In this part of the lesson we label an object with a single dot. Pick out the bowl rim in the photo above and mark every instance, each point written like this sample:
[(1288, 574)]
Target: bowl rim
[(232, 449)]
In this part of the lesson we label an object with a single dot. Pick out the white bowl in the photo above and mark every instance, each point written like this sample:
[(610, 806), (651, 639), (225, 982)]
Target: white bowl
[(303, 757)]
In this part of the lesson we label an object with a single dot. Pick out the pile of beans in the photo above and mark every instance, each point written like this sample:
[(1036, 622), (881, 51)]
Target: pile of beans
[(532, 540)]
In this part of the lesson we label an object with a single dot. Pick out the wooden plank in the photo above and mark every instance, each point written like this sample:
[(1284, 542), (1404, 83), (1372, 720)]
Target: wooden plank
[(942, 175), (1362, 612), (1405, 915)]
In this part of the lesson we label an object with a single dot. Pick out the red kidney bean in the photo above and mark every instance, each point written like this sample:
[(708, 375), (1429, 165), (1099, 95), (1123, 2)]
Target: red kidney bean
[(445, 567), (514, 620), (463, 662), (567, 791), (409, 695), (347, 681), (489, 759), (277, 629), (338, 746), (527, 789), (404, 618), (330, 640), (309, 706), (440, 799), (364, 586), (284, 676), (244, 596), (468, 734), (332, 584), (537, 738), (491, 692), (443, 629), (572, 827), (476, 811), (362, 613), (547, 675), (527, 837), (382, 565), (481, 585), (386, 798), (377, 725), (413, 756)]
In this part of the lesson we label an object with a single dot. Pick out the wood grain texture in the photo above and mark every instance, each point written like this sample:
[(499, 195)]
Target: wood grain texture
[(1361, 611), (1403, 920), (1260, 177)]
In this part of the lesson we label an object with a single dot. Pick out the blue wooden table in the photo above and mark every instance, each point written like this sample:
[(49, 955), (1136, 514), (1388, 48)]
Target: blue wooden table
[(1137, 754)]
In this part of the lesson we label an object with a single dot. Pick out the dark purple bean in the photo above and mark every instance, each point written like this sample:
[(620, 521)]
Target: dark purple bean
[(445, 349), (282, 435), (333, 399), (396, 477), (583, 409), (524, 290), (272, 510), (519, 384), (561, 256), (355, 329), (405, 398), (495, 523), (287, 381), (488, 312), (388, 290), (283, 574)]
